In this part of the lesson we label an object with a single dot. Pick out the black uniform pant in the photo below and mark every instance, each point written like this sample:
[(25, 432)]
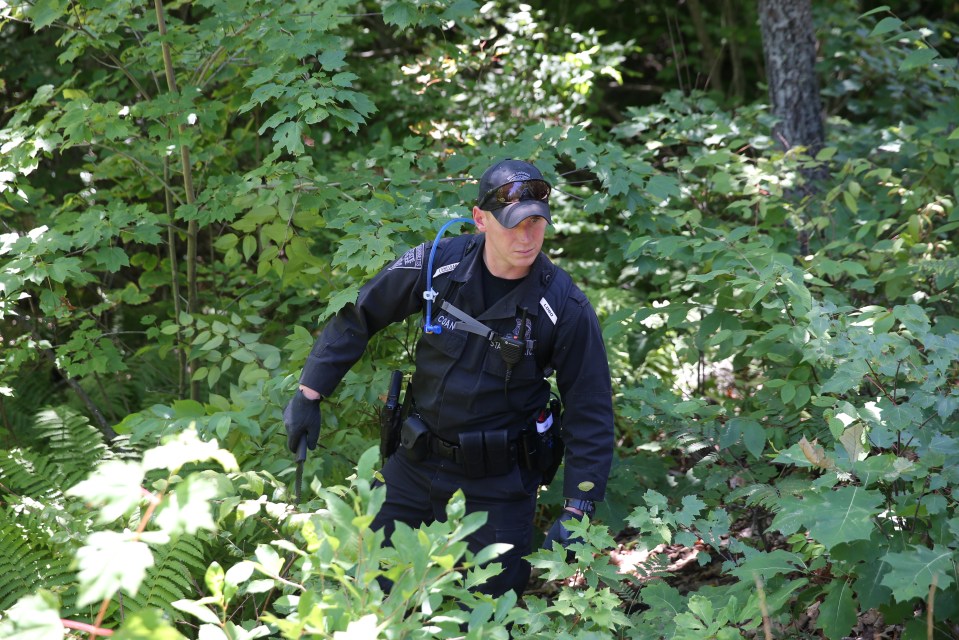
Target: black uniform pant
[(418, 492)]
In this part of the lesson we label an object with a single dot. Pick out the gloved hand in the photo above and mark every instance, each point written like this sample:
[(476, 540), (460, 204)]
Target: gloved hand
[(559, 533), (302, 417)]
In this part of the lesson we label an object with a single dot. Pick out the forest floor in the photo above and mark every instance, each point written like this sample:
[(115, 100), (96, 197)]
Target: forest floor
[(681, 567)]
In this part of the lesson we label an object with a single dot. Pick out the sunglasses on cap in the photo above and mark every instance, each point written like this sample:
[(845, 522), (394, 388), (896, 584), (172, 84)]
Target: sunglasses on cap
[(516, 191)]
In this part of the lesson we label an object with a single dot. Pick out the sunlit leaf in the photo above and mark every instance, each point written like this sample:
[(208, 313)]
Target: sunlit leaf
[(110, 562)]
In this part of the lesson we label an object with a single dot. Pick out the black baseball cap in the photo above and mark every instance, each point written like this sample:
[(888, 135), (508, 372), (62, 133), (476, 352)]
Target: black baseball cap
[(532, 201)]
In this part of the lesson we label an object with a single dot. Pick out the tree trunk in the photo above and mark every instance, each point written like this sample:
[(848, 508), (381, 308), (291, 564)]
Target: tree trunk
[(789, 48)]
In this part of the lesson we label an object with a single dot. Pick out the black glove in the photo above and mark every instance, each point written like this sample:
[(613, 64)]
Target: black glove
[(302, 417), (559, 533)]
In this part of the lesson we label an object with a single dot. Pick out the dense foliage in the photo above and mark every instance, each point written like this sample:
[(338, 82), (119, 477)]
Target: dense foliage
[(188, 190)]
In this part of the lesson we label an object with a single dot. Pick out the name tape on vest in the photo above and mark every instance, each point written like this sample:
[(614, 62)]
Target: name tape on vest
[(445, 269), (548, 309)]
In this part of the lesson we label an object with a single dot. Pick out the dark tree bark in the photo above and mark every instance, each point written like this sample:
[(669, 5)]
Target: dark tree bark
[(789, 48)]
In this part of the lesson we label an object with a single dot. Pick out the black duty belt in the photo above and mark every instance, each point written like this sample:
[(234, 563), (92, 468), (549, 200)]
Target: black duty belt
[(481, 453), (446, 450)]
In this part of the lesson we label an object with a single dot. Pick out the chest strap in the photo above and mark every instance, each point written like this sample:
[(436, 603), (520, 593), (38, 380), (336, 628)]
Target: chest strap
[(466, 322)]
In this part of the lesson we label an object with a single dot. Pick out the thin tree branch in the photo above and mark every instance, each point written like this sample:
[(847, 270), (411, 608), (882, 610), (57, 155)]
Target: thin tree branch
[(94, 410), (192, 226)]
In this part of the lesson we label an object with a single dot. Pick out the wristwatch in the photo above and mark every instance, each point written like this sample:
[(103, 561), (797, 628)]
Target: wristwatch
[(586, 506)]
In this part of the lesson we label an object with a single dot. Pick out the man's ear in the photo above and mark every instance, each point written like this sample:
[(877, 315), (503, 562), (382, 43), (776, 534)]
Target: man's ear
[(479, 217)]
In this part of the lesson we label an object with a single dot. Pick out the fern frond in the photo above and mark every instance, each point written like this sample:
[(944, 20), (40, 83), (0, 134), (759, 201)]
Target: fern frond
[(31, 555), (70, 440), (755, 495), (149, 380), (31, 390), (768, 496), (179, 566), (26, 473)]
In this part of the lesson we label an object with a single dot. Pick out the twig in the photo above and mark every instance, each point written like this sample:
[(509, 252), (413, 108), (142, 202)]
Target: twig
[(89, 628), (192, 226), (166, 185), (930, 610), (102, 423), (874, 379), (767, 627)]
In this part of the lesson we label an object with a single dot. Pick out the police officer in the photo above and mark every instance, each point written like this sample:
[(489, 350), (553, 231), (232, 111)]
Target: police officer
[(473, 395)]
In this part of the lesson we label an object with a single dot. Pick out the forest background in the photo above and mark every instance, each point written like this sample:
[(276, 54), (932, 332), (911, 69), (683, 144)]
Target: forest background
[(758, 197)]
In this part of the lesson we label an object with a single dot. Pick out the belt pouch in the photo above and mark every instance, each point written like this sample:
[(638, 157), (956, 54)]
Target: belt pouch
[(471, 446), (414, 436), (497, 452)]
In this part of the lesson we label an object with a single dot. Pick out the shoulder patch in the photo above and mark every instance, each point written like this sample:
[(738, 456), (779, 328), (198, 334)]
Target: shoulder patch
[(445, 269), (412, 259)]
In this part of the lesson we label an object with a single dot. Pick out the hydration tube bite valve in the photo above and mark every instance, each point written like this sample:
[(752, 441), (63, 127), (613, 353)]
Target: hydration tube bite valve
[(430, 295)]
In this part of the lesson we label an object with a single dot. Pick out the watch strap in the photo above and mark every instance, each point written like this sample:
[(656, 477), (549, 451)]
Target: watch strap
[(586, 506)]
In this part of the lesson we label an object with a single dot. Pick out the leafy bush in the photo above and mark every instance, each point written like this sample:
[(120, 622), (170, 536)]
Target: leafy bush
[(784, 352)]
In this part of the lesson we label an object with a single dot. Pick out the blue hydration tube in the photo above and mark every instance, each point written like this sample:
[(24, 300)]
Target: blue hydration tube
[(429, 295)]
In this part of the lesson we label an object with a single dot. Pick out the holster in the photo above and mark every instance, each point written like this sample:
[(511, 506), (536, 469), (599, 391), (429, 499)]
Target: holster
[(391, 417), (544, 452)]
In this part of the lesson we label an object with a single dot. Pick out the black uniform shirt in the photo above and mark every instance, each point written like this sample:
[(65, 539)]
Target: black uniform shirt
[(459, 383)]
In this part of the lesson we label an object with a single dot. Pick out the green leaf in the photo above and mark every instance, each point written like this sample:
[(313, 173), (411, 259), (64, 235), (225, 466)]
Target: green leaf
[(269, 560), (767, 565), (660, 596), (692, 506), (884, 7), (847, 376), (332, 59), (198, 611), (911, 572), (918, 58), (831, 517), (111, 258), (788, 392), (662, 187), (289, 136), (754, 437), (147, 624), (237, 575), (838, 612), (869, 588), (215, 578), (885, 25), (64, 268), (43, 13), (399, 13)]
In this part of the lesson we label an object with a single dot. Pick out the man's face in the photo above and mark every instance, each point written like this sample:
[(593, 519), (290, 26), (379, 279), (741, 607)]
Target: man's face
[(510, 253)]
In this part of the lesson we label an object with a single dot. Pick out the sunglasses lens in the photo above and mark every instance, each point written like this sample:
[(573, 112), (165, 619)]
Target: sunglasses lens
[(526, 190)]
